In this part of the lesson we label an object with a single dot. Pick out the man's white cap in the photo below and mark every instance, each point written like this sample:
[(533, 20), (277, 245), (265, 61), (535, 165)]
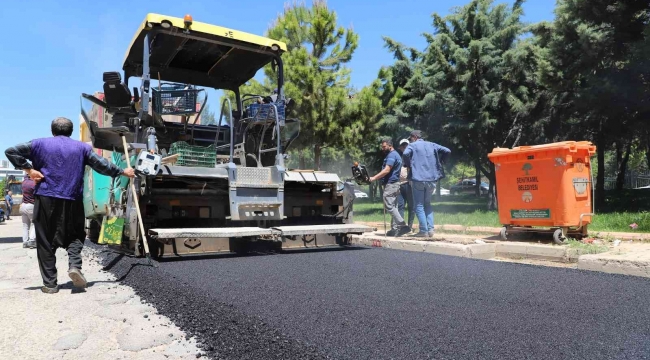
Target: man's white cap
[(403, 141)]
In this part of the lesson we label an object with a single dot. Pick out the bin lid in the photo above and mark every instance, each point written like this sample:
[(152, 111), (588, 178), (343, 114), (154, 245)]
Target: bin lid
[(569, 146)]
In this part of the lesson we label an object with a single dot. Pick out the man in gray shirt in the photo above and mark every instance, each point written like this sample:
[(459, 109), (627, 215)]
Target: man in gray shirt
[(390, 174)]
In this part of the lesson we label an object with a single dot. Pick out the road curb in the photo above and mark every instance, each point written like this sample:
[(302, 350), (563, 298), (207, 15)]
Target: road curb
[(475, 251), (608, 262), (496, 231)]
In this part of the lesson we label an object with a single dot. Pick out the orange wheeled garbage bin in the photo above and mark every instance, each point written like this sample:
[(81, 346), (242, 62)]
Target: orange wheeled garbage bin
[(545, 188)]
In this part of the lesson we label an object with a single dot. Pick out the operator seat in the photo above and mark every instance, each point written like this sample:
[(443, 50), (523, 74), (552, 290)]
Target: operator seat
[(116, 93)]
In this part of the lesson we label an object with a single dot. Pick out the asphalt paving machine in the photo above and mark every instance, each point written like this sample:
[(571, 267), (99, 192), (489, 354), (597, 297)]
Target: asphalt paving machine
[(204, 188)]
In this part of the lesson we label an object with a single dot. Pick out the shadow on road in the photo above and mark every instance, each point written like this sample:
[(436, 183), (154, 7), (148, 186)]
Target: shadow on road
[(224, 256), (11, 240), (69, 286)]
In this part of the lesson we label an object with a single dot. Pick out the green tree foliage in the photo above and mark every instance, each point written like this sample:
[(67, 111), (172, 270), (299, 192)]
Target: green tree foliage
[(597, 72), (389, 87), (207, 116), (475, 84), (315, 72)]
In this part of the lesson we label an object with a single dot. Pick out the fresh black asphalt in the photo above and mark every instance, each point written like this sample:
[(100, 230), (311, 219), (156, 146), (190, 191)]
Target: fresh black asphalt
[(362, 303)]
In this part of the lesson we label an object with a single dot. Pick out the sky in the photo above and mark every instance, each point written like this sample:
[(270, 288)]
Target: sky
[(52, 53)]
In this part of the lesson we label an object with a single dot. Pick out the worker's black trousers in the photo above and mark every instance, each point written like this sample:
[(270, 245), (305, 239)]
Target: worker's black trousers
[(59, 223)]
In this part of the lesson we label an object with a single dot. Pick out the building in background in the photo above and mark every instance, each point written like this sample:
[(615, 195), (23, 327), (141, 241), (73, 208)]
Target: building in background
[(7, 171)]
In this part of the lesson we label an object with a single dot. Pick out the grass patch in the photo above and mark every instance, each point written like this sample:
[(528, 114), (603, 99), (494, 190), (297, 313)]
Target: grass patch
[(583, 248), (468, 210)]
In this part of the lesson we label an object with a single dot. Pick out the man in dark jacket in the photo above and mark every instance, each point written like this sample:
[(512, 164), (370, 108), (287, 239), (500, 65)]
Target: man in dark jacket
[(57, 166)]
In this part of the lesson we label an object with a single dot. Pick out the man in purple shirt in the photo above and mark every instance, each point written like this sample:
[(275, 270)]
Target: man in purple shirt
[(57, 166)]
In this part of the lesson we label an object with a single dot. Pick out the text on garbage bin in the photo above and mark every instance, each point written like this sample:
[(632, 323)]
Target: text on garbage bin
[(527, 183)]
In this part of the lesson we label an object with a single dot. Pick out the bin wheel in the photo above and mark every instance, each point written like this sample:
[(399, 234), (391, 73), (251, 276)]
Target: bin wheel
[(504, 233), (559, 237)]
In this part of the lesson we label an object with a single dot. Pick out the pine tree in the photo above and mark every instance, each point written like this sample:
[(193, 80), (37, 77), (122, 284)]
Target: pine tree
[(476, 83), (597, 71), (207, 116), (315, 73)]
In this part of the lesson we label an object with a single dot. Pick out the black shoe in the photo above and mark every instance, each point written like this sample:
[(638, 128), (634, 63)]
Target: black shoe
[(25, 245), (391, 232), (50, 290), (403, 230), (78, 279), (31, 244)]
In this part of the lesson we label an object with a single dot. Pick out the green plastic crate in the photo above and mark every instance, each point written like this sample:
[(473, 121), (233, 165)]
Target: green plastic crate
[(194, 155)]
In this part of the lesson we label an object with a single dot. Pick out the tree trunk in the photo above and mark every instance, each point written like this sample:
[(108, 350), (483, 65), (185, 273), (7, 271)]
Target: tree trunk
[(622, 167), (619, 154), (600, 176), (492, 192), (647, 148), (301, 161), (477, 164), (317, 153)]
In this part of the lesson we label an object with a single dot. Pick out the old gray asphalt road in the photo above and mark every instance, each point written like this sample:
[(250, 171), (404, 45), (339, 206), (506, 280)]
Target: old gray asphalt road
[(390, 304)]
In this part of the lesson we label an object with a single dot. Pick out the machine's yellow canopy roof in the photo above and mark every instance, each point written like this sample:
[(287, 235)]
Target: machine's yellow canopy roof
[(206, 55)]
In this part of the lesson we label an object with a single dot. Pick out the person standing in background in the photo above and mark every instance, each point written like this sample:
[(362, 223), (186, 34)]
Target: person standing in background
[(27, 213), (10, 204), (405, 200)]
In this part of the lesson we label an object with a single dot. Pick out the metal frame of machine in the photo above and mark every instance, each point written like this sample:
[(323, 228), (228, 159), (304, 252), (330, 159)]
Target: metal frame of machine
[(247, 197)]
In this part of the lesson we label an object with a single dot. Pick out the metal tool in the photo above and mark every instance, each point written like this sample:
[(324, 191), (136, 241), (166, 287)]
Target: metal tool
[(385, 231), (137, 205)]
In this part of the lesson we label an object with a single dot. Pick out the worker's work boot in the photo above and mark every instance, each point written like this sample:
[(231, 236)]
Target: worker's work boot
[(25, 245), (403, 230), (50, 290), (32, 244), (391, 232), (430, 233), (422, 234), (78, 279)]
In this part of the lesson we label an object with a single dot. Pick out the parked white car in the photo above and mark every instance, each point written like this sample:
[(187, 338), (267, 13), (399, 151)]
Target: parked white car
[(444, 192), (359, 194)]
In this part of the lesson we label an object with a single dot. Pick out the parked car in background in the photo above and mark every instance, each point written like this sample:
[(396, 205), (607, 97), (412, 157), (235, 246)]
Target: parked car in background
[(444, 192), (359, 194), (468, 186)]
